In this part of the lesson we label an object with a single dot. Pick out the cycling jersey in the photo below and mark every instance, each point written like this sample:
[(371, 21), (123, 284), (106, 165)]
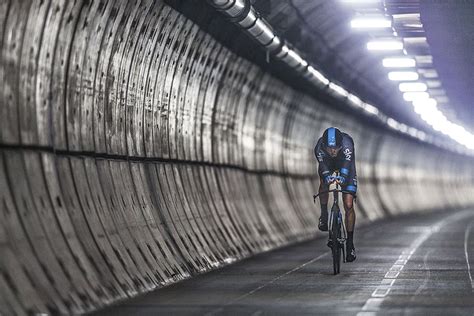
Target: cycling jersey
[(344, 162)]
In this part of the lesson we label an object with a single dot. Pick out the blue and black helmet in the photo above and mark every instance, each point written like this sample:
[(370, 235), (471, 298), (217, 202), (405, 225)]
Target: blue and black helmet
[(332, 137)]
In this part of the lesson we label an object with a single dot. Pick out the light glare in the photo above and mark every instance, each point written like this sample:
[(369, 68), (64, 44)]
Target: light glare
[(429, 112)]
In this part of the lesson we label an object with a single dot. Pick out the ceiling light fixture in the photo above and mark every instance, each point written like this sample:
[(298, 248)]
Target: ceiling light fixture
[(398, 62), (371, 22), (403, 76), (360, 1), (384, 45), (412, 96), (425, 103), (412, 87)]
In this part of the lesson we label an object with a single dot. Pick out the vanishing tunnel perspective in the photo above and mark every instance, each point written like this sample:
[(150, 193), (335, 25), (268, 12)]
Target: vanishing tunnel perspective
[(145, 144)]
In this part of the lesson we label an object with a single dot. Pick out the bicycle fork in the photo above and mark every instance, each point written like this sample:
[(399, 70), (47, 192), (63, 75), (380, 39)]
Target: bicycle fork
[(341, 240)]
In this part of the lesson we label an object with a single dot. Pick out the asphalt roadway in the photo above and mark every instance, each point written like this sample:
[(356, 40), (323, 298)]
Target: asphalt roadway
[(412, 265)]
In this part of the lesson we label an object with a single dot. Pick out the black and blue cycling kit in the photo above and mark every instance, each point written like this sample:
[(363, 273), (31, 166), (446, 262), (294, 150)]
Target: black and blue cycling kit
[(344, 162)]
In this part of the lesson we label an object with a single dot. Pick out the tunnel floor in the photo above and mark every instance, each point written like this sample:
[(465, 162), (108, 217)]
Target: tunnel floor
[(412, 265)]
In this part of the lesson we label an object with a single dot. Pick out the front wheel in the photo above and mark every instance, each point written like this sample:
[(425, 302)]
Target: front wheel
[(335, 246)]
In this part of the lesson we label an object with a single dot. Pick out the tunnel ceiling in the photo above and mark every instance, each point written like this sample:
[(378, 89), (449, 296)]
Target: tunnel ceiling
[(320, 29), (449, 26)]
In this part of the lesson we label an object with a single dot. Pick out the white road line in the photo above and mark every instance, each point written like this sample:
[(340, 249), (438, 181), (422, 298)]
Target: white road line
[(427, 278), (372, 305), (220, 309), (466, 241)]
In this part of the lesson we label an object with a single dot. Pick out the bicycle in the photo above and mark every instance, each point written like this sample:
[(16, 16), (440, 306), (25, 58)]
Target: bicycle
[(337, 230)]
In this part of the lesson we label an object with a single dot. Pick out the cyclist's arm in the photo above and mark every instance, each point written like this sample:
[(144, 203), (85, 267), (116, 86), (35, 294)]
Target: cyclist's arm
[(320, 155), (348, 152)]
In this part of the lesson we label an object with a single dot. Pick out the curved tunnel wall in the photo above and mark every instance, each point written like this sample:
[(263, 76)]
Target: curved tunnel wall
[(137, 151)]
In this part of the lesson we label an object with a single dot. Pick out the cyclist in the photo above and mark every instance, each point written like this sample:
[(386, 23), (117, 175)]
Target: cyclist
[(335, 151)]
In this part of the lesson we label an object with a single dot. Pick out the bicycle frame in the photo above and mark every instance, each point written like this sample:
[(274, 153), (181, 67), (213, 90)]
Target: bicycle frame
[(338, 243), (336, 213)]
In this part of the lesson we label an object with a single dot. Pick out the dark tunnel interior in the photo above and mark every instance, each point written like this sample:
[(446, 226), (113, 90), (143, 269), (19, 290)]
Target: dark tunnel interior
[(136, 150)]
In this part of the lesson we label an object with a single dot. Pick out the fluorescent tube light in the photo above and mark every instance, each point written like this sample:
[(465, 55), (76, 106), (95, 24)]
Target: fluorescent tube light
[(403, 75), (426, 103), (384, 45), (398, 62), (412, 96), (319, 76), (338, 89), (370, 22), (370, 109), (412, 87), (360, 1)]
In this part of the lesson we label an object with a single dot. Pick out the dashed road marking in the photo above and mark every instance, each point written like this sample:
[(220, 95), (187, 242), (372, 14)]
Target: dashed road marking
[(372, 305)]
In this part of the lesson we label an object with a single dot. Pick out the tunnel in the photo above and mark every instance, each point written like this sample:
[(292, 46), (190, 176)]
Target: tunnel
[(148, 142)]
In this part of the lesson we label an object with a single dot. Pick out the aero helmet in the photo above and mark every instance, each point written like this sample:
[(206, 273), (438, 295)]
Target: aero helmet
[(332, 137)]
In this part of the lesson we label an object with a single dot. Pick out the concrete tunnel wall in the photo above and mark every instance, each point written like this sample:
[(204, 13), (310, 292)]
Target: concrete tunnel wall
[(137, 151)]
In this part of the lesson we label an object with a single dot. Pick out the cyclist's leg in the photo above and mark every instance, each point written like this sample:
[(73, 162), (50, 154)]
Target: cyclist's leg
[(323, 201), (323, 197), (348, 200)]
